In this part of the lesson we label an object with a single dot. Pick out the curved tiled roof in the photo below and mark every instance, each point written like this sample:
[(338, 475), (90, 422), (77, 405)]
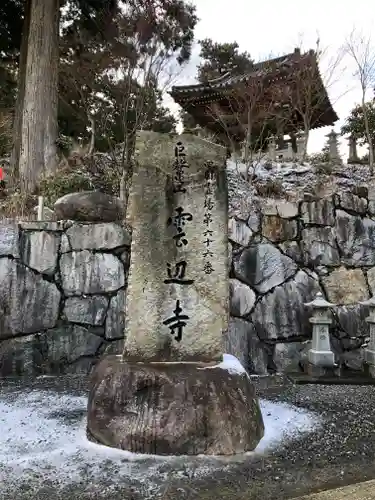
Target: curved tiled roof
[(275, 71), (260, 69)]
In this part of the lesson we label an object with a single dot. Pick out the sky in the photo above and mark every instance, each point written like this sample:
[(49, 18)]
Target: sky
[(273, 27)]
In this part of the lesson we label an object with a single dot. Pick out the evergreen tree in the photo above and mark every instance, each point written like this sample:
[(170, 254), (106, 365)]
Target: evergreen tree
[(98, 40), (355, 123), (187, 120), (221, 57)]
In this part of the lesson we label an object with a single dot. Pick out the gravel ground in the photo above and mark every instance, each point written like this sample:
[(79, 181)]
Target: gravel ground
[(339, 450)]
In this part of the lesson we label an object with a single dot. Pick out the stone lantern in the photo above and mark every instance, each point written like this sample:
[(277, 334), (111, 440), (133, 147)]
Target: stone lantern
[(353, 155), (300, 140), (320, 353), (333, 146), (369, 354)]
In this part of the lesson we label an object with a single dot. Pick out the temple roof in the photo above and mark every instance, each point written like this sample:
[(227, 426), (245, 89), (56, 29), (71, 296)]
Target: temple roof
[(275, 72)]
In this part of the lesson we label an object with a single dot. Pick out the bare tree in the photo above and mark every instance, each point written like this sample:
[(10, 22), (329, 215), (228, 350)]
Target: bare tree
[(304, 92), (152, 72), (361, 50), (252, 112), (124, 94), (82, 79)]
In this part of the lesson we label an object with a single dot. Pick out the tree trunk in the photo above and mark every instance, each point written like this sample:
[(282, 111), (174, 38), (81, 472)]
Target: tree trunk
[(248, 152), (305, 139), (21, 79), (126, 175), (92, 139), (368, 134), (39, 116)]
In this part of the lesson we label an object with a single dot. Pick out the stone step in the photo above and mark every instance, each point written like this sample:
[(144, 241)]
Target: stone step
[(353, 378), (360, 491)]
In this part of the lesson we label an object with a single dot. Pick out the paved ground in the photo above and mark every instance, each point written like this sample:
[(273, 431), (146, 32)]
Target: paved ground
[(361, 491), (44, 453)]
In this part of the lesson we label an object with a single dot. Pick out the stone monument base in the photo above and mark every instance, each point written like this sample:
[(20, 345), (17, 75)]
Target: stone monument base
[(172, 408), (321, 371), (369, 369)]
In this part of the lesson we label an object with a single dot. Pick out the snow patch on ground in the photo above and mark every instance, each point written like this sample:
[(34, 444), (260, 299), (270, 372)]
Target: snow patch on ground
[(283, 422), (43, 438), (231, 364)]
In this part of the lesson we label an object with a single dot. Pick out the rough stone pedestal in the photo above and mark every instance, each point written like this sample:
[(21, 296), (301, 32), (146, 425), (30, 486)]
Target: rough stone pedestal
[(321, 371), (173, 408), (369, 370), (369, 354)]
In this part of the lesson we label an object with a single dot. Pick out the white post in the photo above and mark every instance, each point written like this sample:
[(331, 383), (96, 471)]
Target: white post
[(272, 149), (321, 354), (40, 207)]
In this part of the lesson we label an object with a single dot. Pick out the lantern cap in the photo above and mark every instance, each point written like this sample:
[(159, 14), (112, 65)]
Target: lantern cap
[(319, 302)]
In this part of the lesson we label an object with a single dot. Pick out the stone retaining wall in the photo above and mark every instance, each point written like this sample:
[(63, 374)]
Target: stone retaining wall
[(62, 295), (283, 253), (63, 284)]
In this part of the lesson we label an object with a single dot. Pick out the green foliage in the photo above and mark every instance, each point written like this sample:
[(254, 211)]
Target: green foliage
[(99, 40), (7, 101), (320, 158), (81, 174), (18, 204), (64, 144), (218, 57), (355, 123), (187, 120), (324, 168), (146, 31), (270, 188), (5, 134), (11, 21)]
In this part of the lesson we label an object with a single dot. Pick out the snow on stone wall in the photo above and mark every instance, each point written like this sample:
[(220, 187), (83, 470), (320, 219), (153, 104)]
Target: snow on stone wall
[(284, 252)]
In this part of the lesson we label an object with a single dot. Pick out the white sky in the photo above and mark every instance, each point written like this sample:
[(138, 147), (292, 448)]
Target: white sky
[(275, 27)]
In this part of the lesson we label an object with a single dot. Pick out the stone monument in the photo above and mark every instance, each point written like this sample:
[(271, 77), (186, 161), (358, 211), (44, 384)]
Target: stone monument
[(169, 393)]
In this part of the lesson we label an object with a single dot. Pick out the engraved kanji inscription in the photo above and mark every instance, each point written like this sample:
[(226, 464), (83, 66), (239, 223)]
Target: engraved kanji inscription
[(179, 165), (176, 274), (177, 322), (207, 268), (179, 221)]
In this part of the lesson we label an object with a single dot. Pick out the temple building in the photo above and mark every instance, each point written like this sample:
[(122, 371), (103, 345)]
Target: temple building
[(280, 97)]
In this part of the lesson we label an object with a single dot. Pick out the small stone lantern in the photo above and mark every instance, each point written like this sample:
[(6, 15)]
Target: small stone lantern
[(272, 148), (353, 155), (333, 146), (320, 353), (369, 356), (300, 139)]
